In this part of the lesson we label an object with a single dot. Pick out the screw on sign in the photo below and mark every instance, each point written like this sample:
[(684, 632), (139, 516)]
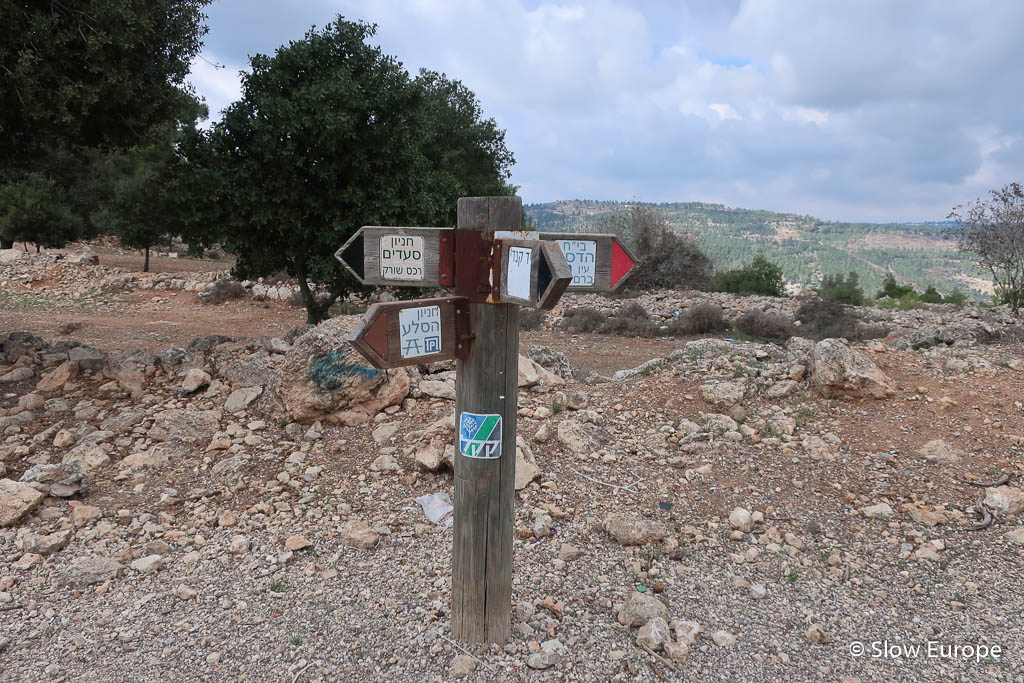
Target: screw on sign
[(492, 276)]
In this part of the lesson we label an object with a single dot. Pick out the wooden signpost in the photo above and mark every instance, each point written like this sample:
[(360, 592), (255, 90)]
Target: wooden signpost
[(493, 271)]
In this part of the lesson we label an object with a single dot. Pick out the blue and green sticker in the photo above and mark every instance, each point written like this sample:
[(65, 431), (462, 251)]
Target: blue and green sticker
[(480, 435)]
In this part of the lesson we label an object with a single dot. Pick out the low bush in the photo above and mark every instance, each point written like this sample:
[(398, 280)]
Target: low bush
[(931, 296), (583, 319), (703, 319), (823, 319), (633, 311), (224, 290), (765, 326), (892, 289), (760, 277), (532, 318)]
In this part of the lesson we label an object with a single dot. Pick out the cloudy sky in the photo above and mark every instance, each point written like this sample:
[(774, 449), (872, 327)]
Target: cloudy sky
[(875, 110)]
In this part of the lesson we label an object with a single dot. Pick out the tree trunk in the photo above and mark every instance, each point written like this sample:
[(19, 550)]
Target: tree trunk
[(145, 266), (315, 313), (6, 243)]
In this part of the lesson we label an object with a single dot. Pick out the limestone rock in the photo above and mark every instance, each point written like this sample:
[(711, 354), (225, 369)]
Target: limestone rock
[(148, 564), (430, 454), (526, 465), (49, 544), (85, 514), (17, 499), (640, 608), (633, 530), (322, 377), (437, 389), (654, 633), (1008, 499), (91, 456), (357, 534), (186, 425), (532, 374), (296, 542), (573, 436), (741, 519), (385, 462), (241, 398), (87, 571), (723, 394), (58, 377), (838, 371), (124, 372), (878, 511), (939, 451), (195, 379), (462, 665), (59, 480)]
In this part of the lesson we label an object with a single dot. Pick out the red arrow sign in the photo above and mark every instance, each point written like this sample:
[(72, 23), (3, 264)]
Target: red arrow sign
[(599, 263)]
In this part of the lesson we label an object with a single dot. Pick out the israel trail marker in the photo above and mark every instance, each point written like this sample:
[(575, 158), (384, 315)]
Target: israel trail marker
[(480, 435), (493, 270), (599, 263)]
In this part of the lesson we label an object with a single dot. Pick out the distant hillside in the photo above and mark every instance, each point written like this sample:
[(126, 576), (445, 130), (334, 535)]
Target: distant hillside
[(807, 248)]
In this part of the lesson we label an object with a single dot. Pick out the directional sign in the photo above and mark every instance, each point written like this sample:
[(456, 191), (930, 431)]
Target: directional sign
[(413, 332), (599, 263), (533, 273), (410, 257)]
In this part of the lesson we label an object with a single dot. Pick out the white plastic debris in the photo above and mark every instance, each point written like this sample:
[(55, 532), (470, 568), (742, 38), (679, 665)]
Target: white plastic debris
[(438, 508)]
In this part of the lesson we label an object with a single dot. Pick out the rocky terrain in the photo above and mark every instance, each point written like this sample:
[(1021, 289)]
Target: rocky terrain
[(245, 506)]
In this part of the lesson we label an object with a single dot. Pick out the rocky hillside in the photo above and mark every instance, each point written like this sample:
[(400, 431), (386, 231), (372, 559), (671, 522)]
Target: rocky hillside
[(260, 504)]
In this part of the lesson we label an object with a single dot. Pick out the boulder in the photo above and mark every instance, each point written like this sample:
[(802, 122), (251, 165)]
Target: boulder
[(125, 373), (633, 530), (17, 499), (87, 358), (357, 534), (186, 425), (555, 362), (939, 451), (82, 257), (322, 377), (240, 399), (62, 481), (58, 377), (837, 371), (532, 374), (195, 379), (91, 456), (723, 394), (13, 255), (437, 389), (1008, 499), (87, 571), (640, 608), (654, 634), (526, 465)]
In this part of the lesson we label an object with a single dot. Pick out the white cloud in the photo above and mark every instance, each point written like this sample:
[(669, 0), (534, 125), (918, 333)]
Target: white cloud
[(848, 110), (218, 83)]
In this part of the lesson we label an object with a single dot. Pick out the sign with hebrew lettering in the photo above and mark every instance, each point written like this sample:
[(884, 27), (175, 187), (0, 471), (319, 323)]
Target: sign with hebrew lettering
[(533, 273), (599, 263), (413, 332), (409, 257)]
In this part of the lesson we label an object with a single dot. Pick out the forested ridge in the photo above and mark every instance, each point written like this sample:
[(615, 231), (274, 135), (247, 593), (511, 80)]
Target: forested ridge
[(807, 248)]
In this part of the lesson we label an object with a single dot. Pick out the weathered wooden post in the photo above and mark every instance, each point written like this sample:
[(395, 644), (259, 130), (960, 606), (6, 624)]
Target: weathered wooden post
[(494, 270), (486, 389)]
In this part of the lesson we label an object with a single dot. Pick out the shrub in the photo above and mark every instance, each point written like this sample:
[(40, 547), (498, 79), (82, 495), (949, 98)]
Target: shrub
[(760, 277), (633, 311), (844, 290), (583, 319), (931, 296), (956, 297), (892, 289), (531, 318), (825, 318), (765, 326), (703, 319), (223, 290), (665, 259)]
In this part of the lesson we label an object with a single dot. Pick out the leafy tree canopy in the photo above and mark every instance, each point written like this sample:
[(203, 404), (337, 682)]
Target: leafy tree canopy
[(845, 290), (90, 73), (330, 134)]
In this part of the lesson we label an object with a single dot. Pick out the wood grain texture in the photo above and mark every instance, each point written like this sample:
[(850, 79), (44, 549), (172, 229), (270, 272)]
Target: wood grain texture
[(486, 383), (389, 312), (371, 236)]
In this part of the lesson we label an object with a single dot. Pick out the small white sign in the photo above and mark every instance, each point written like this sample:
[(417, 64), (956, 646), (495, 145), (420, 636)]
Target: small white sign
[(401, 257), (581, 255), (519, 262), (419, 331)]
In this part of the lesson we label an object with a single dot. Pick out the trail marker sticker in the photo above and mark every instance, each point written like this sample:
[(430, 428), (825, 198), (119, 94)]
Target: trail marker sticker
[(420, 330), (581, 255), (480, 435), (401, 257)]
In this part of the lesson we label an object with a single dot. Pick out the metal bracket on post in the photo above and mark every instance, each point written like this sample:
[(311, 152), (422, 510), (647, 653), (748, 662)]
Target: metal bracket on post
[(463, 337)]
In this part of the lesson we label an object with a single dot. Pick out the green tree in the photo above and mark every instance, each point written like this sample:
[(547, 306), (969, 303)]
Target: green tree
[(36, 209), (931, 295), (760, 277), (845, 290), (892, 289), (331, 134), (79, 77)]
